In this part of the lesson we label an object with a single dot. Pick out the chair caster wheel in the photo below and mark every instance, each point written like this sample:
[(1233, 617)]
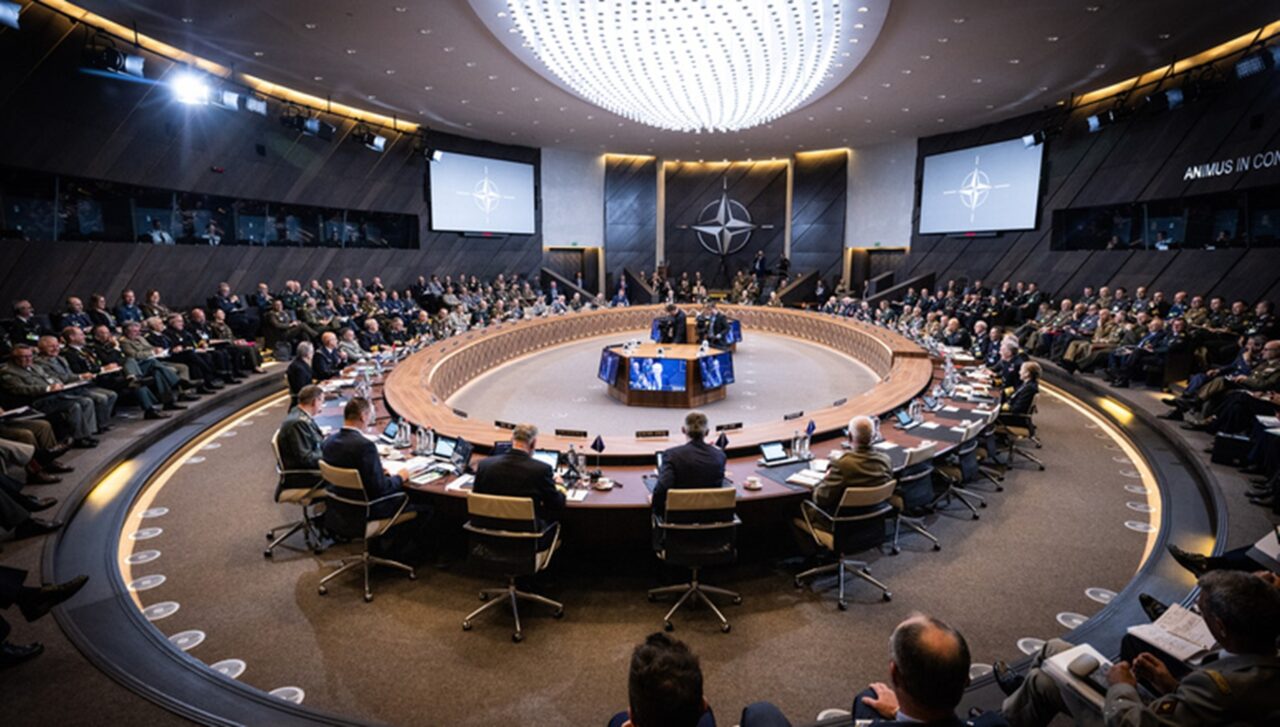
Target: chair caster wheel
[(668, 626), (843, 605), (271, 536), (413, 576), (368, 598), (324, 590), (888, 596), (936, 547), (517, 637), (737, 600), (724, 628), (266, 554), (983, 504), (895, 550), (1042, 468), (559, 613), (484, 596), (796, 582), (652, 598), (975, 516), (466, 625)]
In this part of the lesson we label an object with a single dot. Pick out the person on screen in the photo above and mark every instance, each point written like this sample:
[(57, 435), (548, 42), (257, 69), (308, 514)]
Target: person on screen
[(655, 380)]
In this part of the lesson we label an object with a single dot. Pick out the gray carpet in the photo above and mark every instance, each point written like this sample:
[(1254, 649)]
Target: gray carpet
[(404, 658), (559, 388)]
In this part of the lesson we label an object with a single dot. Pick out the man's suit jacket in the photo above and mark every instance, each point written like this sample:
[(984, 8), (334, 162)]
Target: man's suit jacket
[(299, 442), (516, 474), (1020, 401), (299, 375), (325, 364), (691, 466), (350, 449), (860, 467)]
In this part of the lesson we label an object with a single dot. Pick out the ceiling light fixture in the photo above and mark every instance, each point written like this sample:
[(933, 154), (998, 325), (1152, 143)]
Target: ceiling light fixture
[(710, 67)]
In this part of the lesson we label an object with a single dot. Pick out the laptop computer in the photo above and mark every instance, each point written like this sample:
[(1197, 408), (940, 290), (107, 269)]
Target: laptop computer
[(904, 420), (773, 454), (549, 457), (389, 433)]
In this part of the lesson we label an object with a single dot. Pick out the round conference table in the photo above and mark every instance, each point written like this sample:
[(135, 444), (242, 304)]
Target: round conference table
[(620, 516)]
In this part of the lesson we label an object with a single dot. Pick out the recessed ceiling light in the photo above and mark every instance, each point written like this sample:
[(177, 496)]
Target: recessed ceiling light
[(537, 99), (310, 26), (858, 26), (1043, 89), (941, 120), (590, 117), (853, 40), (1014, 61), (925, 57), (188, 21), (564, 108), (493, 78), (259, 54), (862, 9), (401, 9), (893, 131), (502, 14), (465, 101), (1092, 8), (1052, 38), (317, 78), (513, 133), (958, 21), (977, 80), (424, 31), (839, 108), (391, 71), (943, 40), (471, 64), (1164, 36), (572, 130), (906, 71), (469, 123), (372, 97), (990, 106), (866, 121), (515, 88), (500, 112), (865, 98), (351, 51), (905, 109), (621, 123), (428, 88), (942, 96), (1101, 66), (810, 118), (886, 84), (448, 49)]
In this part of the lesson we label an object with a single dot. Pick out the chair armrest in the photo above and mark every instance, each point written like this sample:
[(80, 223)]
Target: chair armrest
[(881, 509), (735, 522)]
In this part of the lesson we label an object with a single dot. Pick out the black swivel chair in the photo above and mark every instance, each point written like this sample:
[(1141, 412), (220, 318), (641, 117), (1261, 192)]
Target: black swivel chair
[(960, 469), (914, 496), (309, 498), (505, 538), (858, 525), (347, 514), (699, 528), (1019, 429)]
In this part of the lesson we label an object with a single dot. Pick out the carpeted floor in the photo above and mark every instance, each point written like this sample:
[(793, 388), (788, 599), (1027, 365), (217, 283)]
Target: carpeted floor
[(558, 388), (404, 658)]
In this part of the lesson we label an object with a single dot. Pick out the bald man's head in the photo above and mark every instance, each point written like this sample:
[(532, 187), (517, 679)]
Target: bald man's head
[(861, 431), (930, 667)]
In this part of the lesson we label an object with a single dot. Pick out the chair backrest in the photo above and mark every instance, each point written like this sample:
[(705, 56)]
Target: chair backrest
[(503, 534), (919, 454), (346, 479), (860, 520), (915, 486), (347, 508), (700, 526), (275, 449)]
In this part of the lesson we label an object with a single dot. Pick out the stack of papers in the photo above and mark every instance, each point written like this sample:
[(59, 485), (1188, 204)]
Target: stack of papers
[(460, 484), (15, 412), (578, 494), (1268, 422), (819, 465), (1179, 633), (885, 445), (806, 478)]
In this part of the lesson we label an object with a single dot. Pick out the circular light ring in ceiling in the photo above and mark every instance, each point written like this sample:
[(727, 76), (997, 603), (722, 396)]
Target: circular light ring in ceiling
[(689, 65)]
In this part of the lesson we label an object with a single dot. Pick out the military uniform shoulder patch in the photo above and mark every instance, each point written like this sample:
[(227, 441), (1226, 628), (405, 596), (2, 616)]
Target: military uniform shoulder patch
[(1219, 680), (1166, 705)]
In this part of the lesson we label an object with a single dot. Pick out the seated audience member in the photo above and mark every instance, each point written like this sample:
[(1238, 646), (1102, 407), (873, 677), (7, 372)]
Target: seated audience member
[(928, 675), (956, 336), (36, 434), (515, 473), (99, 315), (182, 348), (1008, 365), (1238, 684), (262, 298), (74, 315), (33, 603), (371, 337), (664, 687), (17, 517), (283, 327), (300, 440), (299, 372), (134, 347), (153, 308), (1019, 402), (83, 362), (23, 383), (350, 346), (1263, 378), (24, 327), (245, 352), (128, 309), (692, 465), (227, 363), (56, 367)]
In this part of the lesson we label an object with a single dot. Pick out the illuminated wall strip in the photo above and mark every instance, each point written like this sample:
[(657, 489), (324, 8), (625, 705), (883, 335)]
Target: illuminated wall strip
[(262, 86)]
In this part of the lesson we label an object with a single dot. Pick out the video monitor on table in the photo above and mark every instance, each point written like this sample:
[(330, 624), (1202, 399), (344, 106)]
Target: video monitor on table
[(655, 330), (657, 374), (549, 457), (445, 447), (735, 333), (609, 366), (716, 370)]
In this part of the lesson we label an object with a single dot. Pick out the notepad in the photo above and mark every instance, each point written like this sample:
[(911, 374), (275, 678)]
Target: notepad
[(929, 425), (1269, 422), (885, 445), (1178, 632), (951, 408), (577, 495), (806, 478)]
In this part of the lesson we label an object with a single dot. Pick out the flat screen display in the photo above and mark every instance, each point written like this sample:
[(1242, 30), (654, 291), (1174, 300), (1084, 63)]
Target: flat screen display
[(609, 366), (773, 451), (657, 374), (478, 194), (655, 330), (987, 188), (735, 332), (549, 457), (716, 370), (445, 447)]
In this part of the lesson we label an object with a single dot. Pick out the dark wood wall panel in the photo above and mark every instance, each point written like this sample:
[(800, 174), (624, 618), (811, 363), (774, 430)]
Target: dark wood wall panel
[(761, 187), (818, 200), (60, 120), (630, 214), (1140, 158)]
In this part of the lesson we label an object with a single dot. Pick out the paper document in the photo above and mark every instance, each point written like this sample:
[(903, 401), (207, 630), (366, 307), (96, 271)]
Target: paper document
[(819, 465), (460, 484), (929, 425), (1267, 547), (15, 412), (951, 408), (1179, 633), (805, 478), (1268, 422), (885, 445), (578, 494)]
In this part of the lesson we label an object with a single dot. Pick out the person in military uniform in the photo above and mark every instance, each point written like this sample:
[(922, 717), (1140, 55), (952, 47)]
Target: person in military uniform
[(1239, 684), (1265, 376), (862, 466), (134, 346), (284, 327), (56, 367), (22, 382), (82, 361)]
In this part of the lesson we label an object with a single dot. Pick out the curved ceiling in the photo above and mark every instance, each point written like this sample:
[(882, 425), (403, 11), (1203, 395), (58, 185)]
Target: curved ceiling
[(936, 66)]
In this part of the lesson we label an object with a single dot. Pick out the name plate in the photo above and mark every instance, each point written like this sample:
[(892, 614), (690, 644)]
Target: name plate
[(503, 425), (731, 426), (792, 415), (460, 413), (572, 433), (653, 434)]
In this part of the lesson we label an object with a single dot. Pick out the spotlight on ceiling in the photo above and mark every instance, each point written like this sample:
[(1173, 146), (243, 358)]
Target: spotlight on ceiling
[(103, 55), (1034, 139), (1258, 61), (298, 120), (9, 13), (1166, 100), (238, 101), (1099, 121), (423, 147), (191, 88), (366, 136)]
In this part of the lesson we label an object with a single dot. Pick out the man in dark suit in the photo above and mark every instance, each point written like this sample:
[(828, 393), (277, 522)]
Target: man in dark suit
[(672, 327), (300, 440), (515, 473), (328, 360), (1019, 402), (713, 326), (299, 371), (350, 449), (693, 465), (928, 675)]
